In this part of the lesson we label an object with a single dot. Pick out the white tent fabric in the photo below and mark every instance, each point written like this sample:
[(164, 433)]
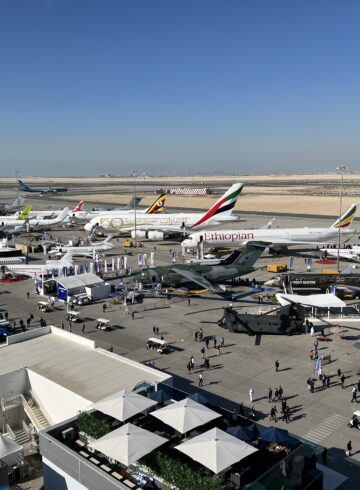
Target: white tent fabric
[(216, 449), (128, 443), (314, 300), (185, 415), (10, 451), (123, 404)]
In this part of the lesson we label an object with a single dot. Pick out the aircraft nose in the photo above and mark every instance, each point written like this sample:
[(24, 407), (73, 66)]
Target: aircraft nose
[(188, 243)]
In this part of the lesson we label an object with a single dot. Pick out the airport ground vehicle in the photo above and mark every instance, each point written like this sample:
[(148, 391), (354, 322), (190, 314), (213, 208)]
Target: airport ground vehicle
[(44, 306), (103, 324), (158, 345), (74, 316), (82, 299), (354, 422)]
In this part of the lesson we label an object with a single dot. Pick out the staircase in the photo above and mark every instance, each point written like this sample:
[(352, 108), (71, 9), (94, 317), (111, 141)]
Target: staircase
[(35, 414), (20, 435)]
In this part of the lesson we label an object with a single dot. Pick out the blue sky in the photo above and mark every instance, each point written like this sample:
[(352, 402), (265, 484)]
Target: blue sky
[(178, 86)]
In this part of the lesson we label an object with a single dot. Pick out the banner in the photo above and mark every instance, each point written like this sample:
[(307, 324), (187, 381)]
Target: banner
[(118, 263), (125, 261), (173, 256), (291, 263), (140, 260), (113, 264), (318, 370), (105, 266)]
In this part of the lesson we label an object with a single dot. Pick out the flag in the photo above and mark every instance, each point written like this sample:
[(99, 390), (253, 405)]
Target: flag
[(173, 256), (105, 266), (152, 259), (317, 370), (144, 259), (333, 289), (113, 264), (125, 262), (140, 260), (118, 263)]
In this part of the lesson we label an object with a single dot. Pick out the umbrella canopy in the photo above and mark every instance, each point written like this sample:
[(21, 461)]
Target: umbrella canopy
[(128, 443), (200, 398), (216, 449), (123, 405), (273, 434), (185, 415), (160, 396), (10, 451), (241, 433)]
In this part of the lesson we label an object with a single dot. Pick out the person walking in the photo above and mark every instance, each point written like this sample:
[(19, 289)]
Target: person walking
[(273, 413), (202, 350), (201, 378), (281, 392), (188, 301), (192, 362), (83, 329), (327, 381), (251, 394), (339, 373), (270, 394), (207, 363), (28, 295), (342, 379), (70, 323), (207, 342), (348, 449), (222, 343), (276, 395), (62, 325), (354, 395), (154, 329), (324, 456), (277, 364), (188, 365)]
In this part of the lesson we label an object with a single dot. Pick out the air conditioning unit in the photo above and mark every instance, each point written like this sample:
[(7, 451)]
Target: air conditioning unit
[(68, 434)]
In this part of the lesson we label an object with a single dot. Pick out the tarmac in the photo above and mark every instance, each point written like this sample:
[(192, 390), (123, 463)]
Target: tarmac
[(320, 417)]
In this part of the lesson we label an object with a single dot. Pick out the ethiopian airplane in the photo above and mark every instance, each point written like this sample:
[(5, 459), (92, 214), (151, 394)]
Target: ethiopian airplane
[(279, 236), (156, 226), (42, 190)]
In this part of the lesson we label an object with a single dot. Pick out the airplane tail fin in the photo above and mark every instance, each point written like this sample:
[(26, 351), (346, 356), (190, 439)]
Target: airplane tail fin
[(157, 206), (23, 186), (25, 213), (78, 207), (108, 238), (247, 256), (62, 215), (67, 259), (346, 219), (134, 201), (19, 201), (223, 206)]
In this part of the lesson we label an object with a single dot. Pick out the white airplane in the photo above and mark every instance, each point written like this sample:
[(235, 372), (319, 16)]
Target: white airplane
[(155, 207), (84, 249), (27, 223), (156, 226), (47, 269), (52, 213), (352, 254), (14, 206), (279, 236)]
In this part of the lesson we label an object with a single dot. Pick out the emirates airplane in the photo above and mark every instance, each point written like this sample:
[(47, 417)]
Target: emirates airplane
[(279, 236), (156, 226)]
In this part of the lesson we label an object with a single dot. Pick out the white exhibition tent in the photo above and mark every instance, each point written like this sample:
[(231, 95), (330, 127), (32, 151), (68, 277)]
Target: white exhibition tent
[(10, 451), (185, 415), (123, 404), (313, 300), (216, 449), (127, 444)]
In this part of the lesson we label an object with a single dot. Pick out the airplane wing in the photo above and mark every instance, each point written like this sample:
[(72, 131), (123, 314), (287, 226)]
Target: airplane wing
[(346, 288), (198, 279)]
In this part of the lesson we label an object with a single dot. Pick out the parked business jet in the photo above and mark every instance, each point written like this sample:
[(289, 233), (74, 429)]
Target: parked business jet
[(155, 226), (14, 206), (279, 236), (96, 247), (42, 190), (47, 269)]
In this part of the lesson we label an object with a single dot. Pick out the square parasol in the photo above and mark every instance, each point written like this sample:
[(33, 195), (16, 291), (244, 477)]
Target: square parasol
[(123, 404)]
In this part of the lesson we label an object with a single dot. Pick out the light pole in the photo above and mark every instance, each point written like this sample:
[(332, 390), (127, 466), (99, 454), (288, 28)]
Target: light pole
[(134, 174), (341, 168)]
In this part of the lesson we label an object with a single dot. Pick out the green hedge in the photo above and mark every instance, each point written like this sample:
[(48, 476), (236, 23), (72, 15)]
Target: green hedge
[(177, 473), (88, 423)]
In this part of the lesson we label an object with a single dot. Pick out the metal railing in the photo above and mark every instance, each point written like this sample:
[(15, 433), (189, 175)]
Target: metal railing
[(29, 412), (10, 432)]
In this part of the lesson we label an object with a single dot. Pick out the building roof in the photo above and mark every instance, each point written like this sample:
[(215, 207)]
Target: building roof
[(79, 280), (75, 364)]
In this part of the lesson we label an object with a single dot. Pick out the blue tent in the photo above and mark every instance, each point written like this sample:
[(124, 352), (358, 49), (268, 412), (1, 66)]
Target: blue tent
[(200, 398), (242, 433), (160, 396), (273, 434)]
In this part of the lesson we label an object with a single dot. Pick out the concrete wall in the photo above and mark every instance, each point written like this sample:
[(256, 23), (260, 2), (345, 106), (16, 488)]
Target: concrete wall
[(11, 385), (56, 402), (56, 478), (65, 334), (29, 334)]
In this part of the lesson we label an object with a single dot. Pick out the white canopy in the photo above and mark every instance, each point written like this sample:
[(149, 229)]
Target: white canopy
[(314, 300), (10, 451), (123, 404), (128, 443), (216, 449), (185, 415)]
